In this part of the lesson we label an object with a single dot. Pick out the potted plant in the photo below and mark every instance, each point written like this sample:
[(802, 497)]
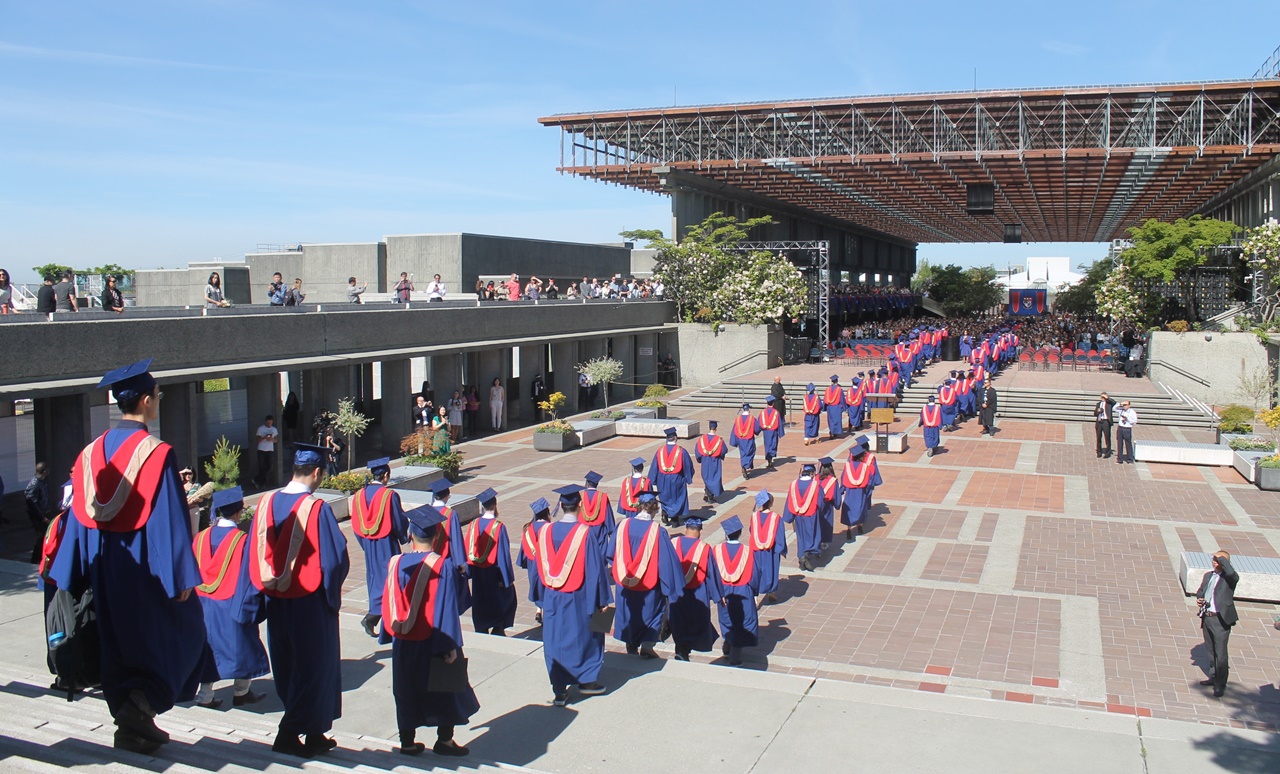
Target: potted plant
[(653, 400), (603, 371), (556, 435), (348, 482), (1235, 420), (1269, 467)]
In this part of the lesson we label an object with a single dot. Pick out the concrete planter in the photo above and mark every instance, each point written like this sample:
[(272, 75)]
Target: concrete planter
[(554, 442), (591, 431), (338, 501), (419, 477), (1268, 479), (658, 412)]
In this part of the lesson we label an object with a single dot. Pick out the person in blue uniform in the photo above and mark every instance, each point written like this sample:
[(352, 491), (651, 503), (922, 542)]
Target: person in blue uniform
[(302, 580), (743, 438), (632, 486), (671, 473), (135, 554), (488, 548), (733, 589), (853, 400), (710, 451), (833, 400), (691, 627), (801, 512), (449, 539), (527, 559), (377, 521), (769, 543), (771, 427), (931, 425), (233, 606), (827, 503), (812, 414), (649, 578), (857, 483), (575, 587), (421, 620), (597, 513)]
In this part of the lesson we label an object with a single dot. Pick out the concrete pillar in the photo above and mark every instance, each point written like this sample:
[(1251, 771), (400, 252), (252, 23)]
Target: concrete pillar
[(646, 360), (669, 343), (6, 408), (446, 376), (179, 424), (531, 364), (564, 361), (61, 432), (262, 396), (337, 382), (624, 349), (397, 397)]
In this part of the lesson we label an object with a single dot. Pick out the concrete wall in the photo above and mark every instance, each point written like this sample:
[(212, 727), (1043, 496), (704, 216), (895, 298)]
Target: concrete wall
[(323, 268), (642, 262), (185, 287), (1221, 361), (423, 255), (706, 357)]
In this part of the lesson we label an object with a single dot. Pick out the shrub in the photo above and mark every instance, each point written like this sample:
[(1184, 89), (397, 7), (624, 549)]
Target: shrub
[(606, 414), (1270, 462), (1178, 326), (1253, 443), (348, 482), (223, 471), (448, 461), (656, 391), (558, 426), (1235, 419)]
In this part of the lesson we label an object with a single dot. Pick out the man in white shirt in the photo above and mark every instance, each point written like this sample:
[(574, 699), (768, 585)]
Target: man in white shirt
[(435, 290), (268, 437), (1127, 418), (659, 289)]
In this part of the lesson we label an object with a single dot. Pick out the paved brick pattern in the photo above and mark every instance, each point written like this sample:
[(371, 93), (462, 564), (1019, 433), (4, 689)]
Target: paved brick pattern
[(938, 523), (1243, 543), (956, 563), (883, 557), (917, 485), (1169, 472), (987, 527), (1160, 500), (959, 453), (1014, 490)]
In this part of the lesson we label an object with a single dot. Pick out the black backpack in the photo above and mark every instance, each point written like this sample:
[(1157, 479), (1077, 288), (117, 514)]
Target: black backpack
[(72, 629)]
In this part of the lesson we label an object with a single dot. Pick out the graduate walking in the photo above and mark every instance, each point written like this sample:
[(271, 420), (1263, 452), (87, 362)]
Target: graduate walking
[(493, 590), (827, 502), (632, 486), (710, 451), (671, 473), (812, 414), (769, 544), (772, 430), (649, 578), (233, 607), (421, 620), (853, 400), (597, 513), (859, 479), (690, 615), (801, 511), (743, 438), (833, 401), (733, 589), (298, 559), (135, 554), (931, 425), (377, 521), (527, 559)]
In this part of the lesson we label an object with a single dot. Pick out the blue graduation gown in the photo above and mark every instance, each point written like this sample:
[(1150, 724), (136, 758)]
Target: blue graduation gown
[(812, 424), (604, 528), (746, 446), (771, 438), (573, 653), (457, 557), (147, 639), (768, 563), (827, 516), (739, 622), (808, 536), (378, 553), (416, 704), (835, 414), (932, 436), (302, 633), (493, 591), (690, 615), (673, 488), (530, 565), (855, 502), (712, 470), (232, 624), (853, 412), (639, 615)]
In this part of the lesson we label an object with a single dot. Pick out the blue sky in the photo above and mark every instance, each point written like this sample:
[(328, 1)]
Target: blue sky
[(152, 133)]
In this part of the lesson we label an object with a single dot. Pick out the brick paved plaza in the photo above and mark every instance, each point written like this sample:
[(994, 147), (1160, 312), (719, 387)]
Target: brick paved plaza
[(1020, 568)]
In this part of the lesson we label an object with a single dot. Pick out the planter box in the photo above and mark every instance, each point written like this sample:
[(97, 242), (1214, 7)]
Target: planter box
[(554, 442), (465, 506), (1246, 463), (642, 413), (1259, 576), (416, 477), (591, 431), (1268, 479), (655, 428), (1183, 453)]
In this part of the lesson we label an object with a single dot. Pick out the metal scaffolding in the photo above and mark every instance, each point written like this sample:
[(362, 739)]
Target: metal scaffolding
[(816, 267)]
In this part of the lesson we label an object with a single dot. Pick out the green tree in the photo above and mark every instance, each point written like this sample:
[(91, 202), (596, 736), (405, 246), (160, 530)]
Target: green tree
[(963, 292), (1166, 251), (223, 469), (603, 371), (50, 270), (1081, 298), (350, 423), (113, 269), (922, 280), (1117, 298)]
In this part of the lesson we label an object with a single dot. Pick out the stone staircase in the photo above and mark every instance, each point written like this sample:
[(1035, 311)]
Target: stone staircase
[(1169, 409)]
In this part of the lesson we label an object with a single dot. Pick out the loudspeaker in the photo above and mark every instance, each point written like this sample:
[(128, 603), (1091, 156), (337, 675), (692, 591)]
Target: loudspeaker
[(980, 199), (1012, 234)]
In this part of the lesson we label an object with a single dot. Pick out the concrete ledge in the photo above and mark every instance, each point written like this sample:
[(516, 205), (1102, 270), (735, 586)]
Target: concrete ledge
[(641, 413), (591, 431), (654, 428), (1246, 464), (897, 443), (465, 506), (418, 477), (1183, 453), (1259, 576)]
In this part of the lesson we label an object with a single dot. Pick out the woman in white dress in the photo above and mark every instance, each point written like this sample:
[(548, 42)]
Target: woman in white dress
[(497, 403), (457, 404)]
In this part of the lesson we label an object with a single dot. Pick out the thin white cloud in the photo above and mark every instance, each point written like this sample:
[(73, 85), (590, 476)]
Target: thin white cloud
[(19, 51)]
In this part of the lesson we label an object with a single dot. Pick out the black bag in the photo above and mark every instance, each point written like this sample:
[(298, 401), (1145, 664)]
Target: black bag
[(72, 630)]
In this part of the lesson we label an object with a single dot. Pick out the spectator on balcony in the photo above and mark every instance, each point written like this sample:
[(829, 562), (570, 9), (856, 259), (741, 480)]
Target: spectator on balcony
[(112, 300), (572, 291), (403, 288), (533, 289), (213, 295), (436, 289), (353, 292), (513, 287), (551, 290), (64, 294), (6, 293), (275, 291), (294, 296)]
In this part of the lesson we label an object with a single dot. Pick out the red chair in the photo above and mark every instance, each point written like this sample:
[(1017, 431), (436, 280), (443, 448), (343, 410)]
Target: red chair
[(1095, 360), (1024, 358), (1069, 358), (1038, 359), (1051, 358)]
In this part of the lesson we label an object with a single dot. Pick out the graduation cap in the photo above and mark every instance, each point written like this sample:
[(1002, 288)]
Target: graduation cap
[(380, 466), (130, 381), (861, 373), (857, 449), (932, 398), (953, 373), (711, 425), (569, 494), (826, 461), (539, 505), (746, 406), (670, 432), (731, 525), (306, 454), (423, 518), (593, 478), (440, 486), (763, 497), (487, 496), (808, 467), (835, 377), (647, 496), (638, 462), (811, 387), (769, 399), (228, 501), (693, 524)]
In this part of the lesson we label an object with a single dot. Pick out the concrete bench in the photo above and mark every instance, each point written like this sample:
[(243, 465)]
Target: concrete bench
[(466, 506), (656, 428), (1259, 576), (591, 431), (417, 477), (1183, 453)]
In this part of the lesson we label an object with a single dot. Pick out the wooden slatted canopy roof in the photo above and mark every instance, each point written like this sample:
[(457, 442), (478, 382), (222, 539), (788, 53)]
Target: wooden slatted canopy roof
[(1072, 165)]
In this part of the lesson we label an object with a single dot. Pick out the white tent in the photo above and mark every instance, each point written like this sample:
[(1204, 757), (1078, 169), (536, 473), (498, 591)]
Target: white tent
[(1048, 273)]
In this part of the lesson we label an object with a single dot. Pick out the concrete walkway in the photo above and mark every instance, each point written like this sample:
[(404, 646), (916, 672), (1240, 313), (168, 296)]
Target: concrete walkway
[(661, 715)]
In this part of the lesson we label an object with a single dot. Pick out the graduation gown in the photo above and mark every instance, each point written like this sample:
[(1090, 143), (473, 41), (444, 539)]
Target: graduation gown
[(597, 513), (690, 615), (233, 607), (449, 545), (733, 589), (833, 400), (575, 585), (826, 509), (772, 429), (768, 541), (643, 606), (147, 639), (931, 425), (853, 406), (812, 415), (857, 483), (710, 451), (527, 559), (302, 626), (432, 629), (743, 438), (801, 511), (493, 590), (632, 486), (379, 549), (671, 473)]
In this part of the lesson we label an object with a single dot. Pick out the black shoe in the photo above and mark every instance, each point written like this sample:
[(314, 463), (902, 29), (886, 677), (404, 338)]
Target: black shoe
[(1099, 455), (648, 652), (768, 462), (370, 624), (127, 740), (1210, 681), (414, 748), (499, 632), (726, 648), (211, 704), (290, 744), (248, 698), (560, 699), (1217, 692), (450, 748), (633, 650), (319, 743), (591, 689), (134, 721), (538, 617), (848, 534), (682, 656)]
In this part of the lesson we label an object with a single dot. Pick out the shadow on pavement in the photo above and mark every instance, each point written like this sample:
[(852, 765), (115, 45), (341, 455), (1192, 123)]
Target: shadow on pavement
[(523, 735)]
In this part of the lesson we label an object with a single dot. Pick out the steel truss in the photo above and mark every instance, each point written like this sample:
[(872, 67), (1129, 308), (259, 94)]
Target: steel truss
[(1073, 165), (818, 299)]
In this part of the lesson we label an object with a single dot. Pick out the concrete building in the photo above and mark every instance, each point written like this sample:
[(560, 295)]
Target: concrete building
[(1049, 273), (185, 287)]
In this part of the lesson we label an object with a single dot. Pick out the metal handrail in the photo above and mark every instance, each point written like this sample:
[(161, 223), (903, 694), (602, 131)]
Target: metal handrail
[(1178, 371)]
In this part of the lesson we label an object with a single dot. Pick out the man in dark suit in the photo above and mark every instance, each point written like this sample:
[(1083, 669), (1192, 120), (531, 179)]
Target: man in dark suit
[(1103, 416), (987, 409), (1216, 597)]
